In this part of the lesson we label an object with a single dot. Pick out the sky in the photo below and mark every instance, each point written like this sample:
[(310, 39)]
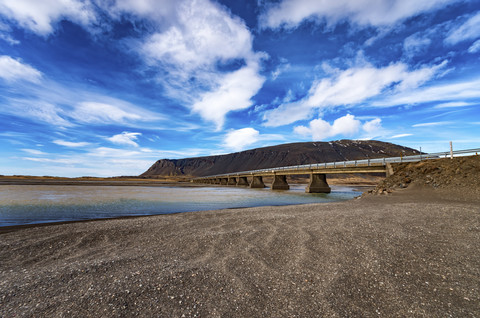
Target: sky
[(107, 87)]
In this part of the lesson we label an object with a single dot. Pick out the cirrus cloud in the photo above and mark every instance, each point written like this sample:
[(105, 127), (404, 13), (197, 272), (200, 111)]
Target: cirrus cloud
[(469, 30), (13, 70), (71, 144), (290, 13)]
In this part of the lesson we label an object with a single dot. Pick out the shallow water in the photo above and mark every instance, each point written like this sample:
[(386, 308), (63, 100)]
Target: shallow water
[(28, 204)]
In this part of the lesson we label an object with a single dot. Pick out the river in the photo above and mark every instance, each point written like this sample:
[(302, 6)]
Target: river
[(30, 204)]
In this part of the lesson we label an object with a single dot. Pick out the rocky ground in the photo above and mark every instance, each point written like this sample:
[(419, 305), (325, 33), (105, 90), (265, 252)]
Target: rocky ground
[(412, 253), (460, 174)]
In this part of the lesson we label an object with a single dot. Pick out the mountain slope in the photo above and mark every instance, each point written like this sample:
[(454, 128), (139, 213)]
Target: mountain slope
[(277, 156)]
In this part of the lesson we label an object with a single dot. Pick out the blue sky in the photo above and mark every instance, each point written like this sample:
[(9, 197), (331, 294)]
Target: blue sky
[(107, 87)]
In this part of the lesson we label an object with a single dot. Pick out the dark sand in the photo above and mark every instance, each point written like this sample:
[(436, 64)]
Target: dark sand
[(410, 254)]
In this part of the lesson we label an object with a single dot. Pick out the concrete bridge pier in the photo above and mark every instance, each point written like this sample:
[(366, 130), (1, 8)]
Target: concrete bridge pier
[(318, 184), (280, 183), (389, 170), (223, 181), (232, 181), (257, 182), (242, 181)]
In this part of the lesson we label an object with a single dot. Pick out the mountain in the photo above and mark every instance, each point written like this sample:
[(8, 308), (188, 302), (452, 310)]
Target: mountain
[(277, 156)]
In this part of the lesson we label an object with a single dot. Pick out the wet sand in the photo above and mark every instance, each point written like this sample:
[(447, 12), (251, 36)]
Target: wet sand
[(414, 253)]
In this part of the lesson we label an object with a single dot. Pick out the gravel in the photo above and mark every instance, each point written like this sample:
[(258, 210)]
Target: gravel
[(411, 253)]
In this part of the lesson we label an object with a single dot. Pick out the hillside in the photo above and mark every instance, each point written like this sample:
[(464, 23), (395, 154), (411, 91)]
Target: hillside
[(277, 156), (459, 176)]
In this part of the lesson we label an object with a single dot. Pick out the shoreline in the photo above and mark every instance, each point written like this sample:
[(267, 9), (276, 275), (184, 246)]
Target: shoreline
[(410, 253)]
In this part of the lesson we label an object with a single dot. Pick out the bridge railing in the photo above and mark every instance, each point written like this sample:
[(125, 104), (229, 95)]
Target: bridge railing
[(353, 163)]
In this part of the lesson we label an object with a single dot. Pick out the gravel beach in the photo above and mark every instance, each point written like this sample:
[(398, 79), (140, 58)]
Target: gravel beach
[(412, 253)]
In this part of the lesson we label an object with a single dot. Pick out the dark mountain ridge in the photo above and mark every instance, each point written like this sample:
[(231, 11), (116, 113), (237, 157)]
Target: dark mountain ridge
[(277, 156)]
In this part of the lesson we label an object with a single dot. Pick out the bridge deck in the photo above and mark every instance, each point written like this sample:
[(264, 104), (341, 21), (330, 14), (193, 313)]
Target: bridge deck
[(302, 171)]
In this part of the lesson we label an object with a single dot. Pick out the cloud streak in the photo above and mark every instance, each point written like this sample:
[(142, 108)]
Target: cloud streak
[(71, 144), (12, 70), (469, 30), (449, 92), (290, 13)]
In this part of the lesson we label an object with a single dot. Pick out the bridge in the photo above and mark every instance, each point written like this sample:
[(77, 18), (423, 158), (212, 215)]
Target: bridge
[(318, 171)]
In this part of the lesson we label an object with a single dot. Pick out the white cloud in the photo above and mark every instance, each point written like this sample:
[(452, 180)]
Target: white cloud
[(13, 70), (202, 52), (125, 138), (431, 124), (373, 126), (152, 8), (5, 29), (40, 16), (350, 87), (241, 138), (203, 35), (287, 113), (415, 44), (54, 103), (71, 144), (453, 104), (469, 30), (34, 152), (290, 13), (280, 69), (319, 129), (8, 38), (192, 39), (443, 92), (475, 47), (414, 79), (234, 93), (101, 113), (100, 161), (38, 111), (66, 161), (400, 136)]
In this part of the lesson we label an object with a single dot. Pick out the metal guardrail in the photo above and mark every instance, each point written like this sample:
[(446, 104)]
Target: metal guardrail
[(351, 163)]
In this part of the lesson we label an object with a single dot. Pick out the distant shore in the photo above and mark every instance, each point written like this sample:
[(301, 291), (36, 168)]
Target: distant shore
[(411, 253), (118, 181)]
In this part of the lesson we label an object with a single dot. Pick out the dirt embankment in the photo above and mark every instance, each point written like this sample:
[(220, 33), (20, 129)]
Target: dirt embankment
[(459, 175)]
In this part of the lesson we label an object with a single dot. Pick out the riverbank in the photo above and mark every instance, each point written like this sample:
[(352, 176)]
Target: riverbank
[(410, 253)]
